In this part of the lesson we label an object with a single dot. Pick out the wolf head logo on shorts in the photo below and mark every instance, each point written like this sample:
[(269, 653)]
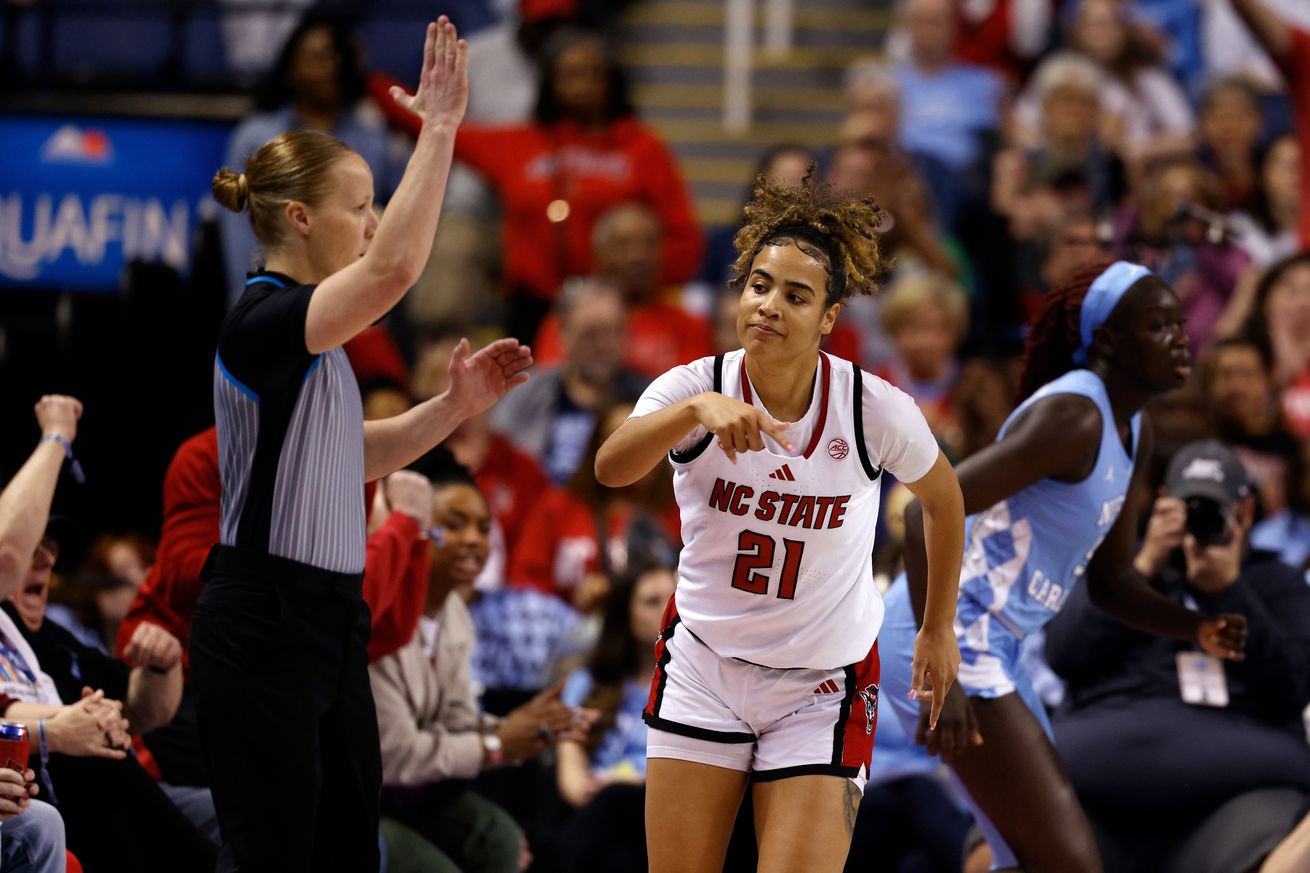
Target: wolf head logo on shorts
[(869, 694)]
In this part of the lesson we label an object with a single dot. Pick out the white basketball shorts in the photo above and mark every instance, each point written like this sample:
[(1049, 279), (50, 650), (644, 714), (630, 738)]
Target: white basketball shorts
[(772, 723)]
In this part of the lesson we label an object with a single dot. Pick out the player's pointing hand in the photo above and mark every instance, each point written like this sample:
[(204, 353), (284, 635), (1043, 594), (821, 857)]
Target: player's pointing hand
[(739, 426)]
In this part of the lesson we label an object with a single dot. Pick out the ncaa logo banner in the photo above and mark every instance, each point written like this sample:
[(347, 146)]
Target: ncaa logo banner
[(80, 197)]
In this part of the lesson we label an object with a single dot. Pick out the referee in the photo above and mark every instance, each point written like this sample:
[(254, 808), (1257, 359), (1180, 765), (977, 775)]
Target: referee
[(285, 711)]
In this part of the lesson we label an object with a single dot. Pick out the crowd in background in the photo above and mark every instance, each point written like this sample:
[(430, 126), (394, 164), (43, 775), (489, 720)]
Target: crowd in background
[(1010, 144)]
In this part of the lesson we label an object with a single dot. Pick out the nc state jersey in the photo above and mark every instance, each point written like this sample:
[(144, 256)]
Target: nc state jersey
[(777, 563)]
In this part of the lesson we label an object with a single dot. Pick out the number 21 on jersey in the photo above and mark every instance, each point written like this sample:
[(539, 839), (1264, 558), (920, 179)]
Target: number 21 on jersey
[(755, 552)]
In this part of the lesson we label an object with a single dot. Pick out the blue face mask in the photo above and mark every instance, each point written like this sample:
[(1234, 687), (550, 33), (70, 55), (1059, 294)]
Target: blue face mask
[(1102, 297)]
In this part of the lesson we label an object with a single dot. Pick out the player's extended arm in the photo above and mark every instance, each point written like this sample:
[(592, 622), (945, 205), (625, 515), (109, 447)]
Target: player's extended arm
[(476, 382), (640, 443), (1115, 586), (1055, 437), (936, 653)]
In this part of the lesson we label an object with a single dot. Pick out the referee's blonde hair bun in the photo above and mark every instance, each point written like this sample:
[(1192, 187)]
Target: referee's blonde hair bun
[(231, 189), (295, 166)]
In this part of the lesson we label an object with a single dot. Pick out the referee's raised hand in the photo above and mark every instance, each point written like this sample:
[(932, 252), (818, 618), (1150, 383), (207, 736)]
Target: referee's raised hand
[(443, 88), (478, 381)]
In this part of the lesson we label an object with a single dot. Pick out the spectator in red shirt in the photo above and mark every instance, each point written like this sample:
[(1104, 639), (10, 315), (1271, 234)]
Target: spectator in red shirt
[(1289, 48), (395, 580), (395, 564), (168, 595), (629, 247), (1006, 35), (583, 152), (560, 551), (510, 479)]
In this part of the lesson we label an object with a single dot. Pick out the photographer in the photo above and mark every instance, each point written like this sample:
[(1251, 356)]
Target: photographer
[(1184, 762)]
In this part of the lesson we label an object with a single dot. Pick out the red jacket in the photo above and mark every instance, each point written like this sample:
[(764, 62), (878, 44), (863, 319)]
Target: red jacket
[(395, 583), (511, 481), (983, 37), (395, 568), (191, 521), (373, 354), (660, 337), (626, 161), (530, 165), (559, 545)]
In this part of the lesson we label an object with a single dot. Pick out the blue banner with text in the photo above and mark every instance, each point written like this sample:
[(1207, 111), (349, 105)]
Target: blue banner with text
[(81, 197)]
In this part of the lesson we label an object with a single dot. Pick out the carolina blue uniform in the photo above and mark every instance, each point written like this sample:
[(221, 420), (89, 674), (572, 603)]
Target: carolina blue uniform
[(1022, 556)]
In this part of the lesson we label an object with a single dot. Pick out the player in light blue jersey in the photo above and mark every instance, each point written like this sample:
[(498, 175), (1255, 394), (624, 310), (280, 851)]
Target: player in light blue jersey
[(1044, 510)]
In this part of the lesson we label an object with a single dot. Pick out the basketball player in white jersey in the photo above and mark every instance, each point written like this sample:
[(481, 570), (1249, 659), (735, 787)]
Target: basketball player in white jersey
[(767, 666)]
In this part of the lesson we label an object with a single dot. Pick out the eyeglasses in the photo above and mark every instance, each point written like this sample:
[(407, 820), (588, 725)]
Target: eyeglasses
[(436, 534)]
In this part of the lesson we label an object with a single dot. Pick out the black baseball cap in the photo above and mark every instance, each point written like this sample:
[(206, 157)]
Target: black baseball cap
[(1210, 469)]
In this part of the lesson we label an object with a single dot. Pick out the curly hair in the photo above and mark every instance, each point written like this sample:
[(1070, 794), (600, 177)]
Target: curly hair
[(839, 232)]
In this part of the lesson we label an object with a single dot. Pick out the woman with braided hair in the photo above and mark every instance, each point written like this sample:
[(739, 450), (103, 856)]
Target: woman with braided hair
[(767, 666), (1044, 504)]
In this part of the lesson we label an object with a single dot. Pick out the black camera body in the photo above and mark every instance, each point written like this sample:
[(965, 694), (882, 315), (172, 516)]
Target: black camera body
[(1207, 522)]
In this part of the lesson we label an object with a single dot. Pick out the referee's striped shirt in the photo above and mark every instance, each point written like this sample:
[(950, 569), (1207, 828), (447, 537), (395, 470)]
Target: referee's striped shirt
[(290, 433)]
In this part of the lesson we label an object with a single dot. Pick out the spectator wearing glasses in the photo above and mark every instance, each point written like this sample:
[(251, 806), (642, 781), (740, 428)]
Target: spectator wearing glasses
[(33, 829), (80, 745)]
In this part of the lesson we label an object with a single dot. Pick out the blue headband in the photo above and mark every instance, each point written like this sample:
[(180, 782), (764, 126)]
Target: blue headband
[(1102, 297)]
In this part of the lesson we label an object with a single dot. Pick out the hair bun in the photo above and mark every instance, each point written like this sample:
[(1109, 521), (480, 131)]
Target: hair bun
[(231, 189)]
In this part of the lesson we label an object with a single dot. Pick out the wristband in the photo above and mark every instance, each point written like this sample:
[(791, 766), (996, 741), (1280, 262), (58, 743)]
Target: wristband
[(45, 762), (74, 467)]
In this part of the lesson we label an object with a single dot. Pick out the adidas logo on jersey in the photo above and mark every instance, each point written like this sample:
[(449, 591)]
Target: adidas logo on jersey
[(828, 687), (784, 473)]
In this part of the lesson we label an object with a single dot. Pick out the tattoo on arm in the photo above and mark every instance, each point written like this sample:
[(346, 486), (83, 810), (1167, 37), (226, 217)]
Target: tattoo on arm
[(851, 796)]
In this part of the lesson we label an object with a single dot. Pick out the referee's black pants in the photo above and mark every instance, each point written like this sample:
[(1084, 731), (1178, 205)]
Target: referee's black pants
[(286, 715)]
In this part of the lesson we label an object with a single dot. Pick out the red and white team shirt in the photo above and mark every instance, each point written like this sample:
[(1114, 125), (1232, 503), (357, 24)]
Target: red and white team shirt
[(777, 563)]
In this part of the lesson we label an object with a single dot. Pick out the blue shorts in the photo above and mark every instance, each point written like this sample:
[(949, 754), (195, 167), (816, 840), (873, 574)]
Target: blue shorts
[(990, 669)]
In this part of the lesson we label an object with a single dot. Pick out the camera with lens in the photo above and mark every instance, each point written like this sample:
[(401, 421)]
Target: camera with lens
[(1207, 522)]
